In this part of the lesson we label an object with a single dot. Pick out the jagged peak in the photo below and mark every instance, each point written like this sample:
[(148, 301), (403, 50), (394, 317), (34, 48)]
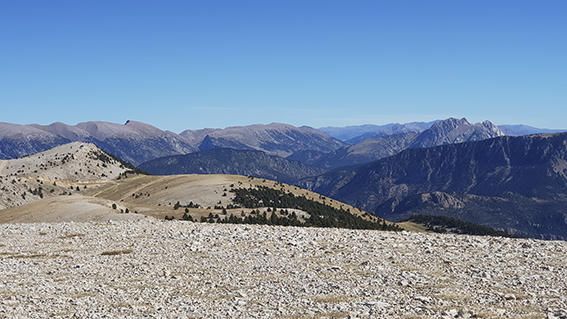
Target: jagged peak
[(452, 121)]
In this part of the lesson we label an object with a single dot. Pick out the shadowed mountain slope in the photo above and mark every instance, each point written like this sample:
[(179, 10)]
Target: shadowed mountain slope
[(512, 183), (21, 140), (231, 161)]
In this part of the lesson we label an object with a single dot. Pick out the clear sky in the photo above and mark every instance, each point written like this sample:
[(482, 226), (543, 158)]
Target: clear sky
[(207, 63)]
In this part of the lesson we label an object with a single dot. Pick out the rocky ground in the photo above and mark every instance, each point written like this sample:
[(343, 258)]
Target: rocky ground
[(150, 268)]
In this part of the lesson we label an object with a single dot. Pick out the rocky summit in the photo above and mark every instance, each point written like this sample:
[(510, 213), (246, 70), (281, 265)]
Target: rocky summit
[(174, 269), (452, 130)]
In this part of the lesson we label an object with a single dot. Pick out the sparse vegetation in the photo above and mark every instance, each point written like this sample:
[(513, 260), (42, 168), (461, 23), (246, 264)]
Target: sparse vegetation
[(187, 216), (190, 205), (258, 218), (116, 252), (71, 235), (443, 224), (321, 215)]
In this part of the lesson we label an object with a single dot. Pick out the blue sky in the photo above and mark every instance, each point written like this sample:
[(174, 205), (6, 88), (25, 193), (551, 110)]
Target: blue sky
[(207, 63)]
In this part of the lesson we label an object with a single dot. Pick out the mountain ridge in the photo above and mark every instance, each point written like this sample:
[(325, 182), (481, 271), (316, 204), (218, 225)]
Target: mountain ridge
[(346, 133), (379, 146), (274, 138), (511, 183), (138, 142), (356, 133), (231, 161), (134, 142)]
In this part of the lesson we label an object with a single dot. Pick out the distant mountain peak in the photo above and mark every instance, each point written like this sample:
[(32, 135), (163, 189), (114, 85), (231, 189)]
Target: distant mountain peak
[(492, 127), (452, 130), (451, 123)]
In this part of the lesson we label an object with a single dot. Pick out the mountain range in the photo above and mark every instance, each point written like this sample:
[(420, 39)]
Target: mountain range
[(231, 161), (20, 140), (449, 131), (274, 139), (367, 150), (356, 133), (454, 168), (133, 142), (137, 142), (514, 183), (520, 130), (235, 150)]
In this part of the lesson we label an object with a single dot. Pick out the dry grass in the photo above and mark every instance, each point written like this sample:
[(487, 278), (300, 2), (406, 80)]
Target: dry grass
[(71, 235), (205, 190), (22, 256), (518, 294), (116, 252), (31, 256), (409, 226)]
